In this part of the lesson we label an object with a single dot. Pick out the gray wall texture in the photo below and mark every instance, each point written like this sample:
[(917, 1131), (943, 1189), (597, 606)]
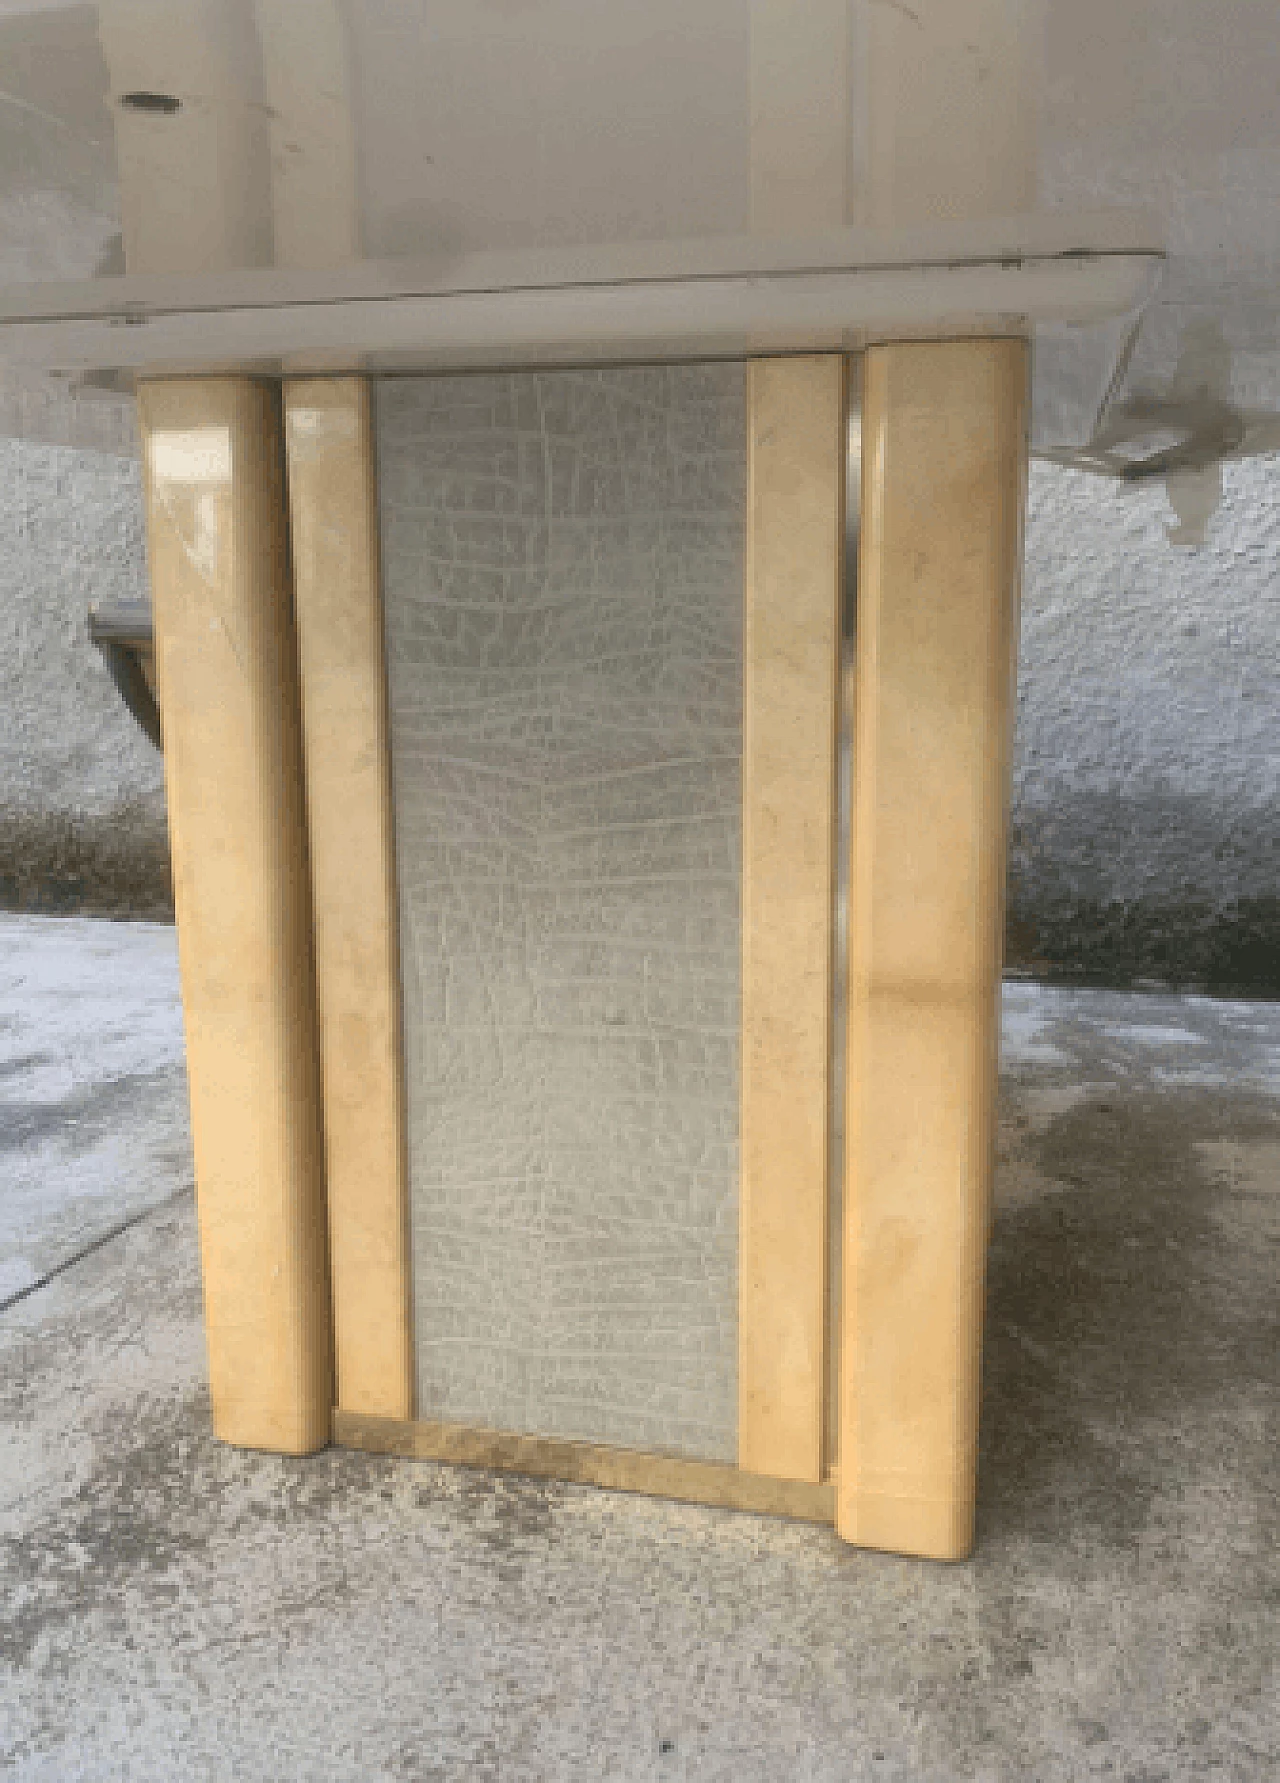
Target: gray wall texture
[(1146, 816), (1146, 836), (81, 789), (562, 566)]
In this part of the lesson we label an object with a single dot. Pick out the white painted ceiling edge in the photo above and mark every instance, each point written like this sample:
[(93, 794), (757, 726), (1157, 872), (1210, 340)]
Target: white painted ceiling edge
[(950, 243), (840, 290), (1081, 280)]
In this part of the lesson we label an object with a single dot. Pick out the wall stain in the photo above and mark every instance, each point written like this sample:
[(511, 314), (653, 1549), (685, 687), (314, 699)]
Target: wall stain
[(118, 866), (1228, 950), (114, 864)]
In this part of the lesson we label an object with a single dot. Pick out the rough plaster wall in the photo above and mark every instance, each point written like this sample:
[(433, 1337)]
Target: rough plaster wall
[(562, 562), (1147, 781), (1146, 809), (81, 788)]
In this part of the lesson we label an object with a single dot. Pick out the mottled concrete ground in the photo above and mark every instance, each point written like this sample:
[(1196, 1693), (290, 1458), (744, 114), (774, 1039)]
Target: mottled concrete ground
[(174, 1609), (93, 1094)]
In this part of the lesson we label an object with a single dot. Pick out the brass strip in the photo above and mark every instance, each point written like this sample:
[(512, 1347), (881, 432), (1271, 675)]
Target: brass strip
[(589, 1464), (840, 893)]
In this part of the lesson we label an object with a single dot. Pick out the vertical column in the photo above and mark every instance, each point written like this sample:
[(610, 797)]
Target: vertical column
[(328, 427), (226, 664), (944, 456), (795, 410)]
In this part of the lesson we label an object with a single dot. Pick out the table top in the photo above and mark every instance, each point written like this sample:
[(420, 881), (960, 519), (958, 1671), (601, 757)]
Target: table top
[(144, 141)]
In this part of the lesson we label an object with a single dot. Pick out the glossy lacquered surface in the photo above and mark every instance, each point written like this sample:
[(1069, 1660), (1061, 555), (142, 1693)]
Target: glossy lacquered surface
[(338, 620), (943, 466), (227, 667)]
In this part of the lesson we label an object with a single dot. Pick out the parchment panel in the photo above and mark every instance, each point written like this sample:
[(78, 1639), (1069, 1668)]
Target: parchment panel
[(562, 561)]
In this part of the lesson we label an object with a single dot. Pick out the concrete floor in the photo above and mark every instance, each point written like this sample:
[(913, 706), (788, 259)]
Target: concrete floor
[(174, 1609), (94, 1129)]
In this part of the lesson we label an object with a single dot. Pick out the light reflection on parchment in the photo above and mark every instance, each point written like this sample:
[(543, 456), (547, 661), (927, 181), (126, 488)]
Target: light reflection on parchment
[(190, 468)]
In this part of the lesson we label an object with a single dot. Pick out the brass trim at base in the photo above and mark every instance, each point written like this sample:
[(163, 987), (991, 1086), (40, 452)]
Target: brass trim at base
[(589, 1464)]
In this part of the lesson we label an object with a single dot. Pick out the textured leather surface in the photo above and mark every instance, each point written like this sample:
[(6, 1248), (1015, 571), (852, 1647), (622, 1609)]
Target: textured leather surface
[(562, 563)]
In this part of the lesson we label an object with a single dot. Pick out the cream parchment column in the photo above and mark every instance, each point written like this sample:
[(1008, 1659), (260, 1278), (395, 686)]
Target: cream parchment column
[(944, 464), (338, 601), (791, 661), (226, 664)]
